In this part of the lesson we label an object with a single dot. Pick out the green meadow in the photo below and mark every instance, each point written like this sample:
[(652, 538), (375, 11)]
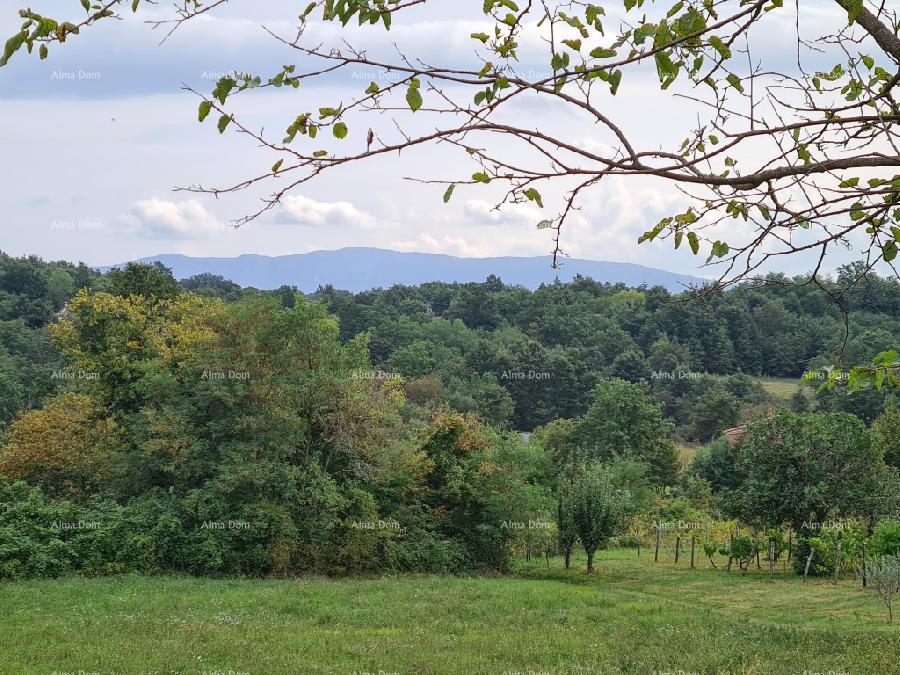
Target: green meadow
[(630, 616)]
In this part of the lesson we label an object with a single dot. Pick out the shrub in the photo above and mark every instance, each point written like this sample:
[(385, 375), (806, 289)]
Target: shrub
[(886, 538)]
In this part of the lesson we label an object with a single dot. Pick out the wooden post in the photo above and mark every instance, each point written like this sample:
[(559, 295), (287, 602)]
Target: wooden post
[(639, 545), (837, 563), (730, 548), (790, 544), (812, 552), (757, 558), (863, 554), (772, 559), (677, 548), (656, 553), (693, 548)]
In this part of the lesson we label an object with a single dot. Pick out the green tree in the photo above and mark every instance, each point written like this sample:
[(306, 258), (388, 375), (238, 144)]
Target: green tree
[(806, 468), (599, 507), (712, 412), (623, 420), (153, 282)]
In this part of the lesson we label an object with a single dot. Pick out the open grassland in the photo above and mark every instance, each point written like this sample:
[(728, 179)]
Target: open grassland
[(782, 387), (631, 616)]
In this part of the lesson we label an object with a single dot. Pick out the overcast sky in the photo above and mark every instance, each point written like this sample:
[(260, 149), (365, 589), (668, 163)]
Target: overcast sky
[(96, 137)]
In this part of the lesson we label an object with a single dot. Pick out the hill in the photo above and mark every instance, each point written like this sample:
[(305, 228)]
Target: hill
[(359, 269)]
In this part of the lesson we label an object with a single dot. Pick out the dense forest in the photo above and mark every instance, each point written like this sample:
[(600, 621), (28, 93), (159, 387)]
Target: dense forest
[(154, 425)]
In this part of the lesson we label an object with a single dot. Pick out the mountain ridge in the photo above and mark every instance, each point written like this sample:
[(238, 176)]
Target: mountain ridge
[(361, 268)]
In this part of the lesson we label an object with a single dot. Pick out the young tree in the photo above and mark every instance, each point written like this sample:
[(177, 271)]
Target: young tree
[(599, 507), (883, 577)]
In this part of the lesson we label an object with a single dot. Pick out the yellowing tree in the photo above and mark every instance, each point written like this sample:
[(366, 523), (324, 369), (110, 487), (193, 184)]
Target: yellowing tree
[(62, 448)]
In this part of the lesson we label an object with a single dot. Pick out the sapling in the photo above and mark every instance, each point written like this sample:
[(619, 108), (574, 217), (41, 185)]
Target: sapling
[(883, 577)]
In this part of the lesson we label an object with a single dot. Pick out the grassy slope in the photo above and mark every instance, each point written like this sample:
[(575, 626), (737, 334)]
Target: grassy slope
[(780, 387), (630, 617)]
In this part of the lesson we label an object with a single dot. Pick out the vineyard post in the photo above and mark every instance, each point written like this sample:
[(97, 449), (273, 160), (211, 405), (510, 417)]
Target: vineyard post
[(693, 548), (656, 553), (677, 548), (730, 549), (837, 563), (812, 552), (863, 555), (772, 558)]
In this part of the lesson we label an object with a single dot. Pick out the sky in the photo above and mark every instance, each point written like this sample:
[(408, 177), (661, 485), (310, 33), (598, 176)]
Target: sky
[(97, 137)]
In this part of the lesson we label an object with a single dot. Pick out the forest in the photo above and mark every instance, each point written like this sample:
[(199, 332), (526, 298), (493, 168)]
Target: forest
[(154, 426)]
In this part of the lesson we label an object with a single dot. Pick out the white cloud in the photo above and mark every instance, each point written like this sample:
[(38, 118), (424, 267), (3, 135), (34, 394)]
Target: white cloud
[(300, 210), (427, 243), (509, 216), (170, 219)]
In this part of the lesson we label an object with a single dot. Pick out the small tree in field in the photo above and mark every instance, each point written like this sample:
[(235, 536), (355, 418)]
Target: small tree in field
[(566, 532), (599, 508), (883, 576)]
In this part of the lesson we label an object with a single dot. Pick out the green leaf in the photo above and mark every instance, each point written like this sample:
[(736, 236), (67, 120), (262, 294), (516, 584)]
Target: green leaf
[(277, 165), (717, 44), (735, 82), (414, 96), (534, 196), (339, 130), (603, 53), (694, 242), (449, 193), (224, 121), (481, 177), (205, 108)]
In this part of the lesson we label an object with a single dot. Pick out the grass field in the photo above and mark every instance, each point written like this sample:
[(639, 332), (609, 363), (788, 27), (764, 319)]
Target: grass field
[(780, 387), (630, 617)]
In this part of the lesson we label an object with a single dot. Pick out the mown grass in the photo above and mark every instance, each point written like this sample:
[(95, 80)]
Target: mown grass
[(631, 616)]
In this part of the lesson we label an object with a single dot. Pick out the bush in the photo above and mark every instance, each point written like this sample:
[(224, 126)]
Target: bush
[(851, 535), (421, 551), (886, 538)]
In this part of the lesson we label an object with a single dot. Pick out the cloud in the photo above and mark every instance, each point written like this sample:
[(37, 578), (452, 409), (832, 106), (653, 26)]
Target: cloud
[(509, 216), (299, 210), (427, 243), (161, 218)]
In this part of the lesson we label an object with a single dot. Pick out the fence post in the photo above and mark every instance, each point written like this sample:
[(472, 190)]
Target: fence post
[(837, 563), (656, 553), (863, 552), (677, 548), (772, 558), (812, 552), (730, 549), (693, 547)]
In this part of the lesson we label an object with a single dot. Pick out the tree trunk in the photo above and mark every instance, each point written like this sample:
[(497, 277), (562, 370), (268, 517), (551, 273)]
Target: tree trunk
[(590, 564), (568, 556)]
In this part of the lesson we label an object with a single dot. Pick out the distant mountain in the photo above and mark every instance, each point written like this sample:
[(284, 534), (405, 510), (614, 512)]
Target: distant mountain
[(359, 269)]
